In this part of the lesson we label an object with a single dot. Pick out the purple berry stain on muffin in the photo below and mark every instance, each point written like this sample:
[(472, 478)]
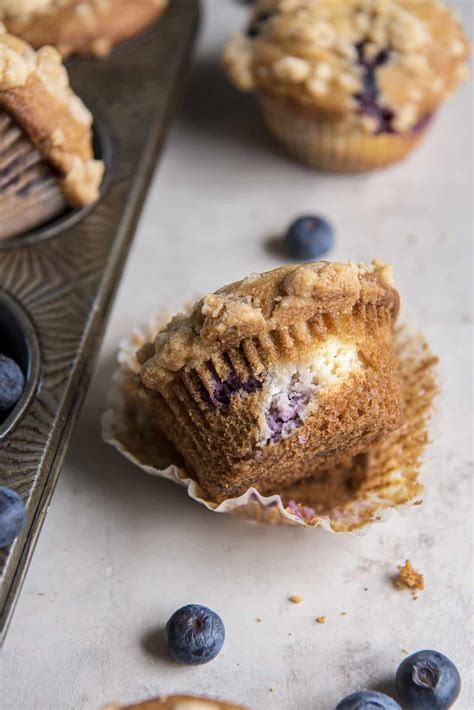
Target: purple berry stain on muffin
[(287, 409), (223, 389), (369, 97), (302, 511)]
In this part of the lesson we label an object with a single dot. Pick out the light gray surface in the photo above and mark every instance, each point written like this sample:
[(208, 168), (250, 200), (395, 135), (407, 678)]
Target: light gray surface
[(121, 551)]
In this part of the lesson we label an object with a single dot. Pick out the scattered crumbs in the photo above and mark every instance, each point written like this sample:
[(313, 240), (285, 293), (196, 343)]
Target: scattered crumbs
[(321, 619), (343, 613), (409, 578), (295, 599), (258, 620), (407, 653), (366, 589)]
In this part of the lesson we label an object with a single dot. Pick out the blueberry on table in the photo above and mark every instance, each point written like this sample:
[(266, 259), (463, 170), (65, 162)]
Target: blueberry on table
[(194, 634), (12, 515), (368, 700), (11, 383), (427, 680), (309, 237)]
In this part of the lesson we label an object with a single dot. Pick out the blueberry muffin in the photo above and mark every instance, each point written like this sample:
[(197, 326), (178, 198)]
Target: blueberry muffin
[(349, 85), (275, 378), (179, 702), (46, 155), (79, 26)]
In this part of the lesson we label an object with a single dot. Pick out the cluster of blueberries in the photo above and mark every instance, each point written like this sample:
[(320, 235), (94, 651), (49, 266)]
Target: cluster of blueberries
[(426, 680), (12, 510)]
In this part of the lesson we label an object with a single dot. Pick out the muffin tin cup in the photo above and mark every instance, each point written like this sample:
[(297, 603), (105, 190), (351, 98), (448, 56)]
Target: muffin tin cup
[(60, 278), (387, 476)]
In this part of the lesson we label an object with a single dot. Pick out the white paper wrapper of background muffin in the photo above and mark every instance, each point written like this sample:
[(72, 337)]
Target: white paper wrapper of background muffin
[(381, 480)]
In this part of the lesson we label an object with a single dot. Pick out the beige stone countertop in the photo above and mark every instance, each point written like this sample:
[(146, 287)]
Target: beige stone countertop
[(120, 551)]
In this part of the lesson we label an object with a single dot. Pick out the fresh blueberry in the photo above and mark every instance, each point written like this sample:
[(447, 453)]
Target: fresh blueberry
[(194, 634), (368, 700), (309, 237), (12, 515), (427, 680), (11, 382)]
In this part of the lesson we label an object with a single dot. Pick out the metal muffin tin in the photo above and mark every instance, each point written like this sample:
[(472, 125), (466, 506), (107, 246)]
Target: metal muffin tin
[(57, 283)]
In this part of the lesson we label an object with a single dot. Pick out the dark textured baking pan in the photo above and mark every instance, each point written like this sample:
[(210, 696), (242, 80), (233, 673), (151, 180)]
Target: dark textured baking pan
[(57, 283)]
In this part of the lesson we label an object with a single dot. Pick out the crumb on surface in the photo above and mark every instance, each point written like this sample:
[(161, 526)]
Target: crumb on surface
[(343, 613), (295, 599), (321, 619), (258, 620), (409, 578), (366, 589), (404, 650)]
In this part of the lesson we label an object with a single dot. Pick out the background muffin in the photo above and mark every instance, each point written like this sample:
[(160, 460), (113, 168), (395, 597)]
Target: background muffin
[(79, 26), (46, 155), (349, 85), (179, 702)]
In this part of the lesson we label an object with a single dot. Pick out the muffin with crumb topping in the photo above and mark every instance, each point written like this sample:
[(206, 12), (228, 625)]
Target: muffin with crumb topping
[(47, 161), (275, 378), (178, 702), (79, 26), (349, 85)]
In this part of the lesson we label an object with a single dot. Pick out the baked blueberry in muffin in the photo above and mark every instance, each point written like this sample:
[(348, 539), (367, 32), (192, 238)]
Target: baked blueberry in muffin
[(349, 85), (275, 378)]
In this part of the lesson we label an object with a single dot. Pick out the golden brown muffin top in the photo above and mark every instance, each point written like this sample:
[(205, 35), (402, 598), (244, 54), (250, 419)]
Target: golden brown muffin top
[(341, 56), (260, 304), (26, 8), (179, 702), (35, 91), (79, 26)]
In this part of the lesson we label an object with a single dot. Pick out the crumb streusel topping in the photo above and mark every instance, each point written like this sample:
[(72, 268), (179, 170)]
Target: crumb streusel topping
[(409, 578), (386, 63), (260, 304), (24, 9)]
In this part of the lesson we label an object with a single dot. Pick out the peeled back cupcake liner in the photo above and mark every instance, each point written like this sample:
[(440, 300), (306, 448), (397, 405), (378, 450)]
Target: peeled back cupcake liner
[(326, 145), (384, 478), (29, 191)]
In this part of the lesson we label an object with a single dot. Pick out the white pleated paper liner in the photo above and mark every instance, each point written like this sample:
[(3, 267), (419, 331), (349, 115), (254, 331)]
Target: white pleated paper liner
[(385, 478)]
